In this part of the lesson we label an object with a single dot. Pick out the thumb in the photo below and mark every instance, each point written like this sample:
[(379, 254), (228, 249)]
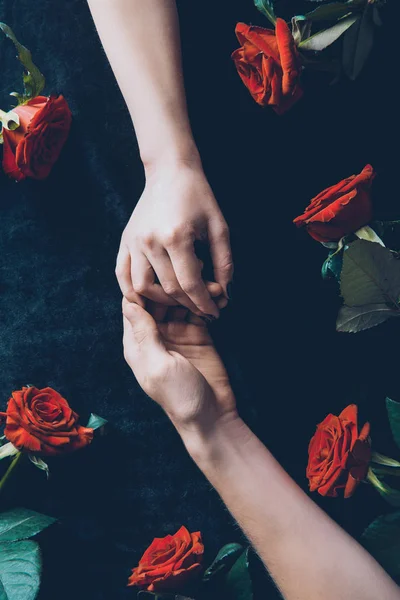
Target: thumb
[(143, 345), (221, 253)]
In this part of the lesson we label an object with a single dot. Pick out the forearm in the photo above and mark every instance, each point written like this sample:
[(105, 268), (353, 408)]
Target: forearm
[(306, 553), (141, 40)]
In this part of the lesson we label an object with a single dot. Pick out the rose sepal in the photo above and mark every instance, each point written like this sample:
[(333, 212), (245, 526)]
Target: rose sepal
[(9, 120), (381, 459), (8, 450), (39, 464), (391, 495)]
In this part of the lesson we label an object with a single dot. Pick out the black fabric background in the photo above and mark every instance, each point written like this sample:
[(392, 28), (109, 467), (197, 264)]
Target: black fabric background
[(60, 318)]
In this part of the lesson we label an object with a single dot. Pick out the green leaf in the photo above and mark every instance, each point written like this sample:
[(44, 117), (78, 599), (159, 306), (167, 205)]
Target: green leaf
[(382, 540), (95, 422), (266, 7), (358, 318), (393, 410), (40, 464), (22, 523), (370, 275), (223, 561), (326, 37), (238, 580), (20, 568), (357, 44), (333, 10), (33, 79)]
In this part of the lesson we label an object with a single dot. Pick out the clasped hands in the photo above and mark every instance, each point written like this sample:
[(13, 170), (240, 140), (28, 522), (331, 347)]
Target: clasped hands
[(172, 356), (166, 301)]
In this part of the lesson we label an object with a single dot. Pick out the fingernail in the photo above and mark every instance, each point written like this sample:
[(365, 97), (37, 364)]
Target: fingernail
[(210, 318), (229, 290)]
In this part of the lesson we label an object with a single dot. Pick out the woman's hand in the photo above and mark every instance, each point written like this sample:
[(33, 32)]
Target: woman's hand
[(176, 364), (156, 258)]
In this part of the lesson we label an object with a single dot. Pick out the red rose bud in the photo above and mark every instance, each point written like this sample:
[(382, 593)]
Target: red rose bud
[(338, 457), (340, 209), (32, 149), (169, 562), (268, 63)]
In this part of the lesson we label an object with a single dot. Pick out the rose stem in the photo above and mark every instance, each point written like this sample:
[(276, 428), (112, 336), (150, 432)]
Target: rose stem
[(10, 469)]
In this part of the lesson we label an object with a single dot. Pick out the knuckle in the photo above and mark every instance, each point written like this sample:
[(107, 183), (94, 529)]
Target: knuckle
[(172, 289), (140, 287), (190, 287), (172, 238), (148, 240), (225, 263), (222, 229), (119, 272)]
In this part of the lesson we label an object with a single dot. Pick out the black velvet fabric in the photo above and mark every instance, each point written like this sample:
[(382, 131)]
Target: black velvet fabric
[(60, 316)]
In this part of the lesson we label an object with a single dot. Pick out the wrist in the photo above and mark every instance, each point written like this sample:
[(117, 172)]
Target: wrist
[(211, 444), (184, 154)]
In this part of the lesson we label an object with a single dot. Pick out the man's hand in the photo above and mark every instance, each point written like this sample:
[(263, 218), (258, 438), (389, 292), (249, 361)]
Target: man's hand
[(176, 364), (156, 258)]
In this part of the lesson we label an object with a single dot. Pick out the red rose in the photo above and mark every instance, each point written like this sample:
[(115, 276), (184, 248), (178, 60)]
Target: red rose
[(32, 149), (268, 64), (340, 209), (169, 562), (42, 422), (338, 457)]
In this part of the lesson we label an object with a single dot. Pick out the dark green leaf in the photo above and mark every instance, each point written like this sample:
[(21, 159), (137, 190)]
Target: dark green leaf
[(22, 523), (266, 7), (326, 37), (358, 318), (20, 568), (238, 580), (332, 267), (382, 540), (357, 44), (223, 561), (376, 17), (333, 10), (393, 410), (95, 422), (370, 275), (34, 81)]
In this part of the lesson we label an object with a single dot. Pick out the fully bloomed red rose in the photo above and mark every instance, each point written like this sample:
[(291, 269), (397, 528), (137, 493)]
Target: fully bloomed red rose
[(338, 456), (169, 562), (32, 149), (340, 209), (42, 422), (268, 64)]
